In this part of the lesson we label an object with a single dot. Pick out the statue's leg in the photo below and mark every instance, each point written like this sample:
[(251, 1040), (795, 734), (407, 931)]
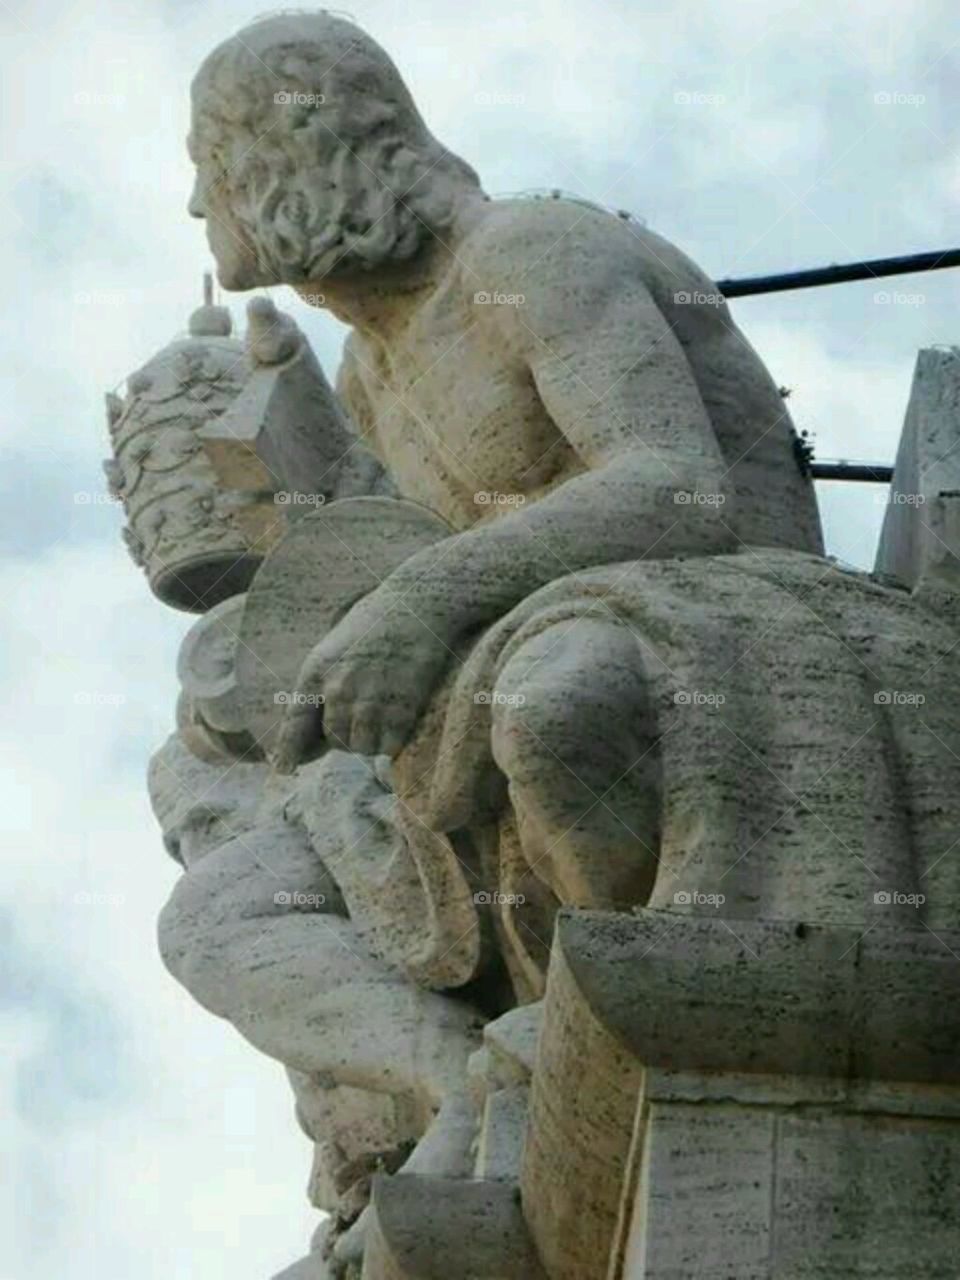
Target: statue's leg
[(296, 980), (574, 733)]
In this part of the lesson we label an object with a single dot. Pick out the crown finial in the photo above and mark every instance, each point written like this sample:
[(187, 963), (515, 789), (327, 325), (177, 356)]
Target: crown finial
[(209, 321)]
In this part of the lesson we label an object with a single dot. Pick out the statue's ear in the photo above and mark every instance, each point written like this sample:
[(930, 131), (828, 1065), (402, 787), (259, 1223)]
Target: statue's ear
[(324, 564)]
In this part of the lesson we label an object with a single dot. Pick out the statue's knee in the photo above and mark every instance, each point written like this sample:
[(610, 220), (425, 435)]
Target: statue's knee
[(535, 733)]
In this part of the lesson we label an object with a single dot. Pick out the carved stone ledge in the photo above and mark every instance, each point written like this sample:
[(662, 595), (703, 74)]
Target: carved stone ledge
[(439, 1229), (713, 1098)]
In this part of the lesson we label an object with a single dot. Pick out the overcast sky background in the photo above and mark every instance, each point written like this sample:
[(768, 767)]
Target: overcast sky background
[(141, 1138)]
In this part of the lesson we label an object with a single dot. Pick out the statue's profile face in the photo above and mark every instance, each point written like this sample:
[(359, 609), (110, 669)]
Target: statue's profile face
[(201, 806), (312, 162), (214, 199), (296, 207)]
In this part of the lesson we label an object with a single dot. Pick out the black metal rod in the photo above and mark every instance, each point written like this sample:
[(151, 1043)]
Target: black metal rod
[(871, 472), (873, 269)]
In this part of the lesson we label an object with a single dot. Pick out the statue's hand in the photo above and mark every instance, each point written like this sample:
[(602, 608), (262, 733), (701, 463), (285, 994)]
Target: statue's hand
[(272, 336), (368, 680)]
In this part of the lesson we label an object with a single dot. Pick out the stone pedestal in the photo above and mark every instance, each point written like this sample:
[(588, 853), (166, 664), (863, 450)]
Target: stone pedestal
[(739, 1100), (793, 1178)]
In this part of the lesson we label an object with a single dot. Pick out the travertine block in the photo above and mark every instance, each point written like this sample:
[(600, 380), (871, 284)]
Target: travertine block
[(913, 537), (438, 1229), (686, 1069), (704, 1193)]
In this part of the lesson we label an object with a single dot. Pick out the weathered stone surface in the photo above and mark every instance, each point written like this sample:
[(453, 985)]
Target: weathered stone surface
[(792, 1193), (542, 471), (582, 650), (257, 931), (327, 561), (408, 893), (512, 1044), (503, 1127), (667, 1043), (207, 666), (429, 1229), (200, 519), (915, 539), (355, 1132), (288, 415), (704, 1195)]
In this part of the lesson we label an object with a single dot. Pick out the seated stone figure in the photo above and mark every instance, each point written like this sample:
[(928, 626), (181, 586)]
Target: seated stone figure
[(258, 932), (565, 388), (596, 746), (629, 736)]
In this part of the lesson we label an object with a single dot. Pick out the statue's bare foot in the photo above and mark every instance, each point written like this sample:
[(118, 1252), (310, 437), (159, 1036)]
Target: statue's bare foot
[(444, 1151), (347, 1259)]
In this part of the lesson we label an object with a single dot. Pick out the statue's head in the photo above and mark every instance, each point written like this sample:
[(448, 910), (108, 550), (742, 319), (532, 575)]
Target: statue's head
[(200, 805), (312, 160)]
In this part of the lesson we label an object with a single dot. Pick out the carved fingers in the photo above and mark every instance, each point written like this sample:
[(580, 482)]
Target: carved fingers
[(365, 685)]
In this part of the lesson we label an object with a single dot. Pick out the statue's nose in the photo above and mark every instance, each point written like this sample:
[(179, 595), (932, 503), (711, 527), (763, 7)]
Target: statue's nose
[(195, 205)]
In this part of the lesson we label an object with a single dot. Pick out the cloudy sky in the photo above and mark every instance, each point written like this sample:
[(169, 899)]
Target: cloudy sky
[(141, 1138)]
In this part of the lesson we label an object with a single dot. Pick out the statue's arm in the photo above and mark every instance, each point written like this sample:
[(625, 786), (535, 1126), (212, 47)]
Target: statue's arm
[(622, 398), (617, 385), (352, 393)]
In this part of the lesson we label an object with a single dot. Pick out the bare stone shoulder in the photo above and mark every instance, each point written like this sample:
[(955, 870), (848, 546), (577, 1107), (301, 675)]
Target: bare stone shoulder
[(525, 245)]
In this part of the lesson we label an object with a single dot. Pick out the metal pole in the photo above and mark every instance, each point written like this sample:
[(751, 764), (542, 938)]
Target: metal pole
[(871, 472), (841, 273), (874, 269)]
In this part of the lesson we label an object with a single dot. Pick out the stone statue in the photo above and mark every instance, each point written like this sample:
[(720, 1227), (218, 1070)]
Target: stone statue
[(565, 389), (536, 662), (258, 932)]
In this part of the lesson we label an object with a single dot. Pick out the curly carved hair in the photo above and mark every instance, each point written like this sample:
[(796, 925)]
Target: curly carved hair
[(327, 163)]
